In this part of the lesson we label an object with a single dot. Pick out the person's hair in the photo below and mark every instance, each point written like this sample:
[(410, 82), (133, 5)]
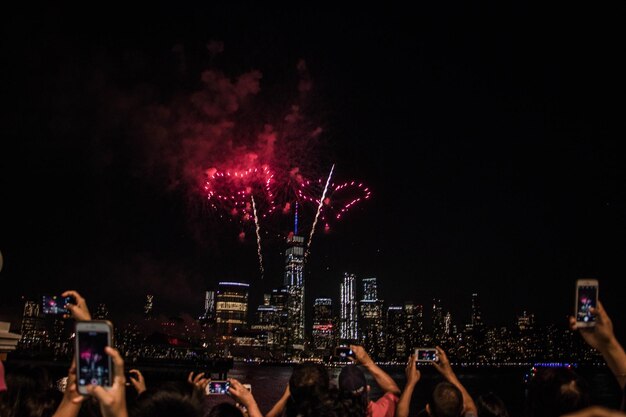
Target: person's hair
[(167, 403), (446, 401), (308, 386), (308, 380), (29, 393), (490, 405), (225, 410), (556, 391), (352, 404), (332, 403)]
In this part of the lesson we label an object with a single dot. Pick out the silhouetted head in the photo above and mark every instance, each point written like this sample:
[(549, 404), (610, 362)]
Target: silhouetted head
[(308, 380), (556, 391), (167, 403), (308, 386), (225, 410), (29, 393), (352, 384), (490, 405), (445, 401)]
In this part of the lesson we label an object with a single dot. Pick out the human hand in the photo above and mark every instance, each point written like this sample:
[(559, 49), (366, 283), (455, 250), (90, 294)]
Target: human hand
[(599, 336), (360, 356), (443, 364), (137, 380), (413, 375), (240, 393), (79, 311), (113, 401), (198, 381)]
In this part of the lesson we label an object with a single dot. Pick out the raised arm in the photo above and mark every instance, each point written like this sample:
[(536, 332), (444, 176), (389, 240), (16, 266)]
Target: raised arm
[(384, 381), (444, 368), (244, 397), (72, 400), (412, 378), (279, 408), (602, 338), (79, 311)]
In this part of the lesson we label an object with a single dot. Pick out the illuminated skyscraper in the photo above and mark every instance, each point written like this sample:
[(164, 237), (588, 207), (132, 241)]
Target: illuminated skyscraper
[(33, 326), (396, 342), (323, 324), (371, 316), (231, 310), (438, 321), (348, 329), (525, 322), (148, 308), (102, 312), (208, 316), (294, 282), (370, 289), (477, 319)]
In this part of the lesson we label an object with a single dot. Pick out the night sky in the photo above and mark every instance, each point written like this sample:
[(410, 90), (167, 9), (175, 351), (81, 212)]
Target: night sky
[(490, 135)]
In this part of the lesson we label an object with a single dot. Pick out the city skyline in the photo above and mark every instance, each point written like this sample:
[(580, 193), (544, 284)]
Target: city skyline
[(388, 332), (491, 153)]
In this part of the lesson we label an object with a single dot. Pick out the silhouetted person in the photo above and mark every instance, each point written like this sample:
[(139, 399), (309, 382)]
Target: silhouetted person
[(553, 392), (490, 405), (352, 384)]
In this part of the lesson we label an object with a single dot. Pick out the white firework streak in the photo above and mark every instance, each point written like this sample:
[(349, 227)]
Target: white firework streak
[(319, 208), (258, 237)]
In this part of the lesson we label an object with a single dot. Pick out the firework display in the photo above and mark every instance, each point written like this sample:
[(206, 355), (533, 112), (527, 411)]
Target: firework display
[(259, 197)]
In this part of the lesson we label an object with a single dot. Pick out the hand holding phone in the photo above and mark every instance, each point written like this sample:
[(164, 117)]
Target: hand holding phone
[(217, 388), (344, 352), (55, 304), (586, 299), (426, 355), (93, 365)]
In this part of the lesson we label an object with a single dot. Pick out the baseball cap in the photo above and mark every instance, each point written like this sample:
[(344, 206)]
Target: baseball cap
[(352, 379)]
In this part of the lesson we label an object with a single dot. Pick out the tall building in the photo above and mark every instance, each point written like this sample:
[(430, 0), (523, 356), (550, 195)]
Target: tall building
[(476, 319), (371, 319), (411, 324), (33, 326), (438, 321), (323, 324), (148, 308), (419, 324), (525, 321), (279, 298), (370, 289), (396, 342), (208, 316), (348, 329), (231, 308), (447, 324), (102, 312), (294, 282)]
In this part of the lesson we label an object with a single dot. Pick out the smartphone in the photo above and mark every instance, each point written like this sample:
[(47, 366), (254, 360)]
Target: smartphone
[(586, 297), (426, 355), (344, 352), (94, 366), (55, 304), (217, 387)]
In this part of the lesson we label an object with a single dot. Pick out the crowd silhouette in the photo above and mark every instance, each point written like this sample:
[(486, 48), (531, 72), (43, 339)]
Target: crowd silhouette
[(28, 391)]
